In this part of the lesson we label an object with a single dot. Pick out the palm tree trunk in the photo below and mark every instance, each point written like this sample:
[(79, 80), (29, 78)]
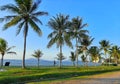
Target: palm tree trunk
[(38, 62), (73, 63), (24, 51), (77, 51), (61, 56), (2, 61), (106, 59)]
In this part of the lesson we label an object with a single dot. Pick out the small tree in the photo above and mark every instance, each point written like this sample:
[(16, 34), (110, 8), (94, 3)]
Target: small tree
[(37, 54), (60, 57), (73, 58), (94, 52), (4, 49)]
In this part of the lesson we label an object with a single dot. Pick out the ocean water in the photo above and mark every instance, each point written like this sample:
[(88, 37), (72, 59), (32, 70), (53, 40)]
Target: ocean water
[(34, 62)]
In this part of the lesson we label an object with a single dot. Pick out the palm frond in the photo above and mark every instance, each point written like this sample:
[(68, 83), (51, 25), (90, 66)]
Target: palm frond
[(10, 7), (13, 22), (35, 6), (8, 49), (51, 35), (11, 52), (40, 13), (19, 28), (35, 27), (51, 42), (36, 19)]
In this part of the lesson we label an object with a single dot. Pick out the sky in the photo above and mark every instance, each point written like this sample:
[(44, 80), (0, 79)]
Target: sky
[(102, 16)]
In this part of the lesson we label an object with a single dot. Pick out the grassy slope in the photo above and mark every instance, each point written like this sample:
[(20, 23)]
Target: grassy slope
[(47, 74)]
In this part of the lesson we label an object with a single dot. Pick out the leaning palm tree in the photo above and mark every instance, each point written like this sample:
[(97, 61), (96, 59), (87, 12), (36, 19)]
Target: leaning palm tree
[(78, 32), (23, 14), (105, 46), (73, 58), (4, 49), (59, 35), (37, 54)]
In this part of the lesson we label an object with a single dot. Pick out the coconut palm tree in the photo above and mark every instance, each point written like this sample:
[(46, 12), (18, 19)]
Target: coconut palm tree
[(24, 14), (73, 58), (59, 35), (4, 49), (37, 54), (86, 42), (94, 52), (105, 46), (78, 32), (115, 53)]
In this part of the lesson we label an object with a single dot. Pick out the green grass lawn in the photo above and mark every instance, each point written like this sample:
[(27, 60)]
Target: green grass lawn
[(49, 74)]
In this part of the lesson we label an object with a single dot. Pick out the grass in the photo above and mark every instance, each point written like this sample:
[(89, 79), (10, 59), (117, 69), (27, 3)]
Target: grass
[(49, 74)]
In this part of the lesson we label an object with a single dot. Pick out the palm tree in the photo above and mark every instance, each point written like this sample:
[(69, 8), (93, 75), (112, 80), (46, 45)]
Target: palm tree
[(77, 32), (59, 36), (86, 42), (37, 54), (4, 49), (24, 14), (115, 53), (94, 52), (60, 57), (73, 58), (105, 45)]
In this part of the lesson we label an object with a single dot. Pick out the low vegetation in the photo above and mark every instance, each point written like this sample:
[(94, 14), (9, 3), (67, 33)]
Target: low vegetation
[(46, 74)]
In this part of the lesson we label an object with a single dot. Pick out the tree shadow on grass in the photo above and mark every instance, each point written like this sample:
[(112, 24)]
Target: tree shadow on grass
[(66, 75), (51, 76)]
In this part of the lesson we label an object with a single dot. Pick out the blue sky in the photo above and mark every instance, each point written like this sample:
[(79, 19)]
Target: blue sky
[(102, 16)]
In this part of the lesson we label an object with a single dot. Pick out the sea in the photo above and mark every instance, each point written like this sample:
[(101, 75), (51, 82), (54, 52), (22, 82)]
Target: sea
[(34, 62)]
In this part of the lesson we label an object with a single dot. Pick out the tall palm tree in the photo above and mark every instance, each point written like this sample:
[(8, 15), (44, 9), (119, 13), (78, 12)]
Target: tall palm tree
[(94, 52), (37, 54), (78, 32), (73, 58), (4, 49), (59, 35), (105, 45), (23, 14)]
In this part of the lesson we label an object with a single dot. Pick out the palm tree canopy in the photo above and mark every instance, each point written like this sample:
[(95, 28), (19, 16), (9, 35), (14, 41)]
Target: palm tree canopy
[(24, 13), (86, 42), (115, 51), (76, 28), (105, 45), (37, 54), (3, 45), (94, 52), (60, 36)]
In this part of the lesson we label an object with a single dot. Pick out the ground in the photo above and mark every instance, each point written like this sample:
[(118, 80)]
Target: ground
[(107, 78)]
